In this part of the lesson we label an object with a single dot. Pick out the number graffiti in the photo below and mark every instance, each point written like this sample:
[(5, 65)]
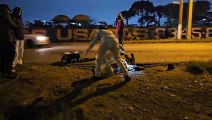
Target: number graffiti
[(83, 34)]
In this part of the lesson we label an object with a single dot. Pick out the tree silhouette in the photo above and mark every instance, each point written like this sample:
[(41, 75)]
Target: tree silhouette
[(84, 20), (142, 8), (147, 12), (127, 15), (171, 12), (147, 21), (61, 19), (200, 8), (159, 10)]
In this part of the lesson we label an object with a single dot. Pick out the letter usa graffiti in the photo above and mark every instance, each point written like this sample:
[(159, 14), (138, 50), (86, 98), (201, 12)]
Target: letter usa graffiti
[(86, 34)]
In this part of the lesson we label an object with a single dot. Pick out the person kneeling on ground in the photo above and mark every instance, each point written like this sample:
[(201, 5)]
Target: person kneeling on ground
[(108, 42)]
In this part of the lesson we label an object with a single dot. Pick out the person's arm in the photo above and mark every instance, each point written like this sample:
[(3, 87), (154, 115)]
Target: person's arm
[(93, 42)]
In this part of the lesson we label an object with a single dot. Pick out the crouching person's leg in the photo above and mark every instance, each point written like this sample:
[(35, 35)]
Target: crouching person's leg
[(123, 70), (98, 70), (120, 64)]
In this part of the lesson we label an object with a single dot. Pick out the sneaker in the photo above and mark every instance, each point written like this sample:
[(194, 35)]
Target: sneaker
[(127, 78)]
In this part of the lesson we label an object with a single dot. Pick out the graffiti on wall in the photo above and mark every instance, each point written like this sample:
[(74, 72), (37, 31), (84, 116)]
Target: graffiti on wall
[(86, 34)]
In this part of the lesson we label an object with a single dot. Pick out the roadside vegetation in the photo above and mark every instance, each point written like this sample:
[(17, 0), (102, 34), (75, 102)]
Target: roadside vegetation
[(198, 67)]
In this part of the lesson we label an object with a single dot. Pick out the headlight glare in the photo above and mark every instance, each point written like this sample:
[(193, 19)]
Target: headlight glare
[(41, 38)]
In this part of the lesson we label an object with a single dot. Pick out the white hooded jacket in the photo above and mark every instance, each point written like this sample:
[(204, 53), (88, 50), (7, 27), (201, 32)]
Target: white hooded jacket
[(105, 37)]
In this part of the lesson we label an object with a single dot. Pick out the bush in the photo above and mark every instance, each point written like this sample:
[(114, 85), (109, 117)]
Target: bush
[(209, 69), (196, 67)]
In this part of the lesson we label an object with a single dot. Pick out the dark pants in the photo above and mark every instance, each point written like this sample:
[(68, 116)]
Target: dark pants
[(7, 54), (120, 37)]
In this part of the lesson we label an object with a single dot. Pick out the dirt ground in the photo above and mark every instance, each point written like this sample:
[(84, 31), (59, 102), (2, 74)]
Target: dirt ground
[(51, 92)]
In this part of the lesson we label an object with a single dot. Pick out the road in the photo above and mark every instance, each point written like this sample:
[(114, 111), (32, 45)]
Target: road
[(146, 53)]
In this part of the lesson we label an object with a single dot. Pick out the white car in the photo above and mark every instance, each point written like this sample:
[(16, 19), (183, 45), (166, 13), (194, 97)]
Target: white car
[(32, 40)]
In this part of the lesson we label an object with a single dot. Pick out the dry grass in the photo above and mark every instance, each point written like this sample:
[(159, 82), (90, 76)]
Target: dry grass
[(68, 93)]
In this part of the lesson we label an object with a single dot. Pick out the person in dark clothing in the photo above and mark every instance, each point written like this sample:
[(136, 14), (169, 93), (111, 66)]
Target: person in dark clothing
[(7, 42), (19, 35)]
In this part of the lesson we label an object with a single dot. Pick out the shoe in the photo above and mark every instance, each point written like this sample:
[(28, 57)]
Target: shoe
[(127, 78), (13, 76)]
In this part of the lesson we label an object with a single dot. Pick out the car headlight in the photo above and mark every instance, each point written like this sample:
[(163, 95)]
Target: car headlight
[(41, 38)]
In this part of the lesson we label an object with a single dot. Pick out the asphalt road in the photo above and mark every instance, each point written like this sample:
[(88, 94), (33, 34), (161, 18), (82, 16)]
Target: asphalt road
[(146, 53)]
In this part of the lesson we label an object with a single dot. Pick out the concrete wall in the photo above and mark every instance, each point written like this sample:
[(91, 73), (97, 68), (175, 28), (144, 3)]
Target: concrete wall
[(87, 34)]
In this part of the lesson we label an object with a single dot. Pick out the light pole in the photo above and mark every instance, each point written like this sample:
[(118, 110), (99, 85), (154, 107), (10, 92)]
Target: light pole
[(180, 19), (189, 24)]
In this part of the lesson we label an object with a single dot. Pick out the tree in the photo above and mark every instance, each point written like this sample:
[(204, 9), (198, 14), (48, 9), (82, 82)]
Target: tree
[(142, 8), (147, 21), (159, 10), (200, 8), (61, 19), (127, 15), (82, 20), (171, 12)]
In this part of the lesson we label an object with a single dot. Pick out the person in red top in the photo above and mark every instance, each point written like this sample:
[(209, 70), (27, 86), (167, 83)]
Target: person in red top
[(120, 28)]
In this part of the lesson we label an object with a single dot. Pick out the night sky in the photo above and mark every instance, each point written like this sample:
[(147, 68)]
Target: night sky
[(98, 10)]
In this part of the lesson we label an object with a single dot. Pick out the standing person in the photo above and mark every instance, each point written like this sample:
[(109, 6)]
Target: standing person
[(120, 28), (7, 42), (19, 35), (108, 42)]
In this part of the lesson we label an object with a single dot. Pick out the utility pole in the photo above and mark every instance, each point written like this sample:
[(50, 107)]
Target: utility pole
[(189, 24), (180, 19)]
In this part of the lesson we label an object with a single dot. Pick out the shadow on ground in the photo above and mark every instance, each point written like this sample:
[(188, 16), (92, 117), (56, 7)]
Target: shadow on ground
[(41, 109), (59, 63)]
